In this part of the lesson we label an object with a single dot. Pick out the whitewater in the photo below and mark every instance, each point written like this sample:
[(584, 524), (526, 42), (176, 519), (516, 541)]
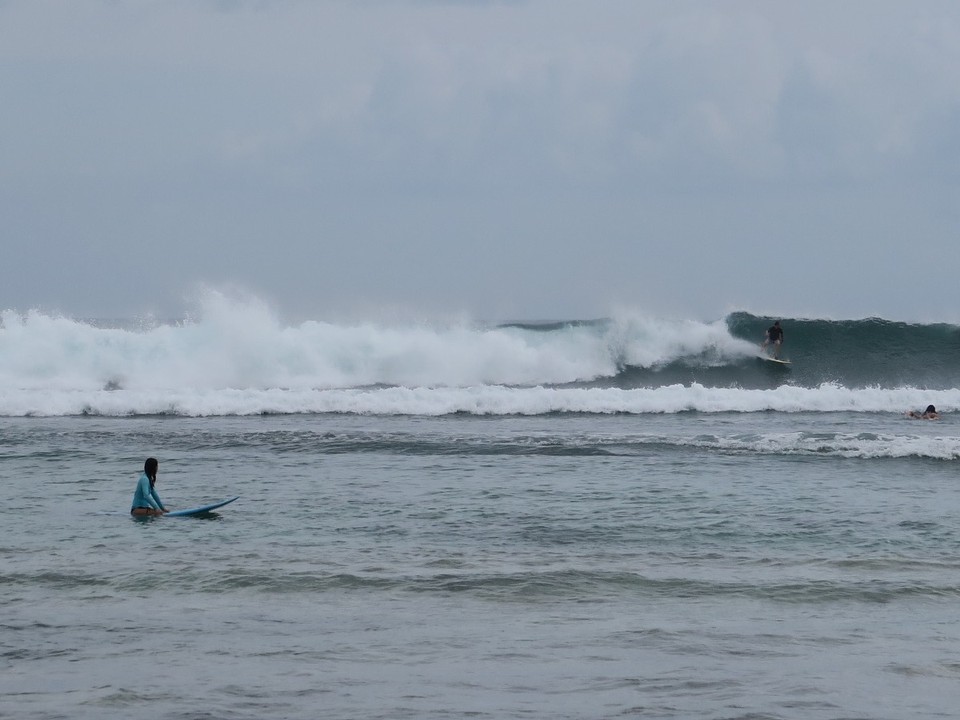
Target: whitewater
[(237, 358)]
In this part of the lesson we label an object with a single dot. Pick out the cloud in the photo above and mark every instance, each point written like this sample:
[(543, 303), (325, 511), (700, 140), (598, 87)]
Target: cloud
[(441, 93), (358, 151)]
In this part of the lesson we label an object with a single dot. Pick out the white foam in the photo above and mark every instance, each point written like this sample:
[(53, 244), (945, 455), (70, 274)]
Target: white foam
[(481, 400), (829, 444), (241, 344)]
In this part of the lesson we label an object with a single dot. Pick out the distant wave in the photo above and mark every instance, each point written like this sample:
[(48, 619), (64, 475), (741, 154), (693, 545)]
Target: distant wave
[(238, 358)]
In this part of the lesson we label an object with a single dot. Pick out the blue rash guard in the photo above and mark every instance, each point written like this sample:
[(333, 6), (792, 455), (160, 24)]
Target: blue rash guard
[(146, 496)]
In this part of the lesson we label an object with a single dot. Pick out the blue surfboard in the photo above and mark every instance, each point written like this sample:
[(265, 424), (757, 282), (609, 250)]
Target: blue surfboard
[(200, 510)]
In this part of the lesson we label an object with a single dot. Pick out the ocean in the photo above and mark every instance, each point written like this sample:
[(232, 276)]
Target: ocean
[(624, 517)]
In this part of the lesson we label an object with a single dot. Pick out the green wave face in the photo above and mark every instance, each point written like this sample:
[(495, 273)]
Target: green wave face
[(862, 353)]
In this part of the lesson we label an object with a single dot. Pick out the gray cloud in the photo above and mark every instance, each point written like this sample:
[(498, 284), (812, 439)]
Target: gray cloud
[(523, 159)]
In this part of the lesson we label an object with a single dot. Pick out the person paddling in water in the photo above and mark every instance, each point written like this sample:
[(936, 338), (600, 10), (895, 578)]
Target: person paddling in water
[(774, 337), (145, 498), (929, 414)]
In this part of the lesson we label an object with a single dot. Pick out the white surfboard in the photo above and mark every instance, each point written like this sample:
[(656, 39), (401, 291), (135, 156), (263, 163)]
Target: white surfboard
[(773, 359)]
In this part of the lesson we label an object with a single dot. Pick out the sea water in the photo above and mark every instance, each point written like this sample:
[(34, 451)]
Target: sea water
[(658, 527)]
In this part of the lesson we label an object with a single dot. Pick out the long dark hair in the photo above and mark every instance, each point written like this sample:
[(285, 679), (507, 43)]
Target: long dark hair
[(150, 468)]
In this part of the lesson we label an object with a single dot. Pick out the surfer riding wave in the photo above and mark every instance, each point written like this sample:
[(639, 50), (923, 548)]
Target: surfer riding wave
[(774, 337)]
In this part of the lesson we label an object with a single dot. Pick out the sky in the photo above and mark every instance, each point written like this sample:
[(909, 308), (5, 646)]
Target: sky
[(539, 159)]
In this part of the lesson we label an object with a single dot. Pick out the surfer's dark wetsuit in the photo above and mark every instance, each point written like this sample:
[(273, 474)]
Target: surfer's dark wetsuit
[(775, 337)]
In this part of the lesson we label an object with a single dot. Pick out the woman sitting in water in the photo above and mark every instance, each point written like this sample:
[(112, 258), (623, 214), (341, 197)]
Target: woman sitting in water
[(929, 414), (145, 498)]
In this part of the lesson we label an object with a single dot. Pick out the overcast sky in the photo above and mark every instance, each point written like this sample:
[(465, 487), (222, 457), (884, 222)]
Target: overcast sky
[(537, 159)]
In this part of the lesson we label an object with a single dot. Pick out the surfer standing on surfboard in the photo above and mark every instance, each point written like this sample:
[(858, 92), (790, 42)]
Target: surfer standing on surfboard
[(145, 498), (774, 337)]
